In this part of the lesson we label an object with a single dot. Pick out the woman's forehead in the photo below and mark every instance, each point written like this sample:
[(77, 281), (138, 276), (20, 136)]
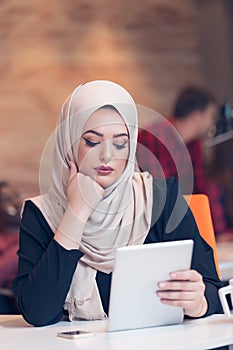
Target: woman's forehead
[(105, 119)]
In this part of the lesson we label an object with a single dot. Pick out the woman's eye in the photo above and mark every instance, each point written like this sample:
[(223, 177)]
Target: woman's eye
[(121, 145), (90, 143)]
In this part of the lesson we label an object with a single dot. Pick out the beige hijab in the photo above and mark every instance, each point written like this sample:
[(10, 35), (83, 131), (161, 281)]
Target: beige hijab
[(122, 217)]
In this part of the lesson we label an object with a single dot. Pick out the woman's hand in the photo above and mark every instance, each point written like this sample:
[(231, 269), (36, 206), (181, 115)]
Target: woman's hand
[(184, 289), (83, 193)]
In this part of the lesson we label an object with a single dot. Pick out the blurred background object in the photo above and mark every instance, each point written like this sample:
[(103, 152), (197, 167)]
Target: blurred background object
[(225, 122), (219, 167), (10, 206), (161, 152)]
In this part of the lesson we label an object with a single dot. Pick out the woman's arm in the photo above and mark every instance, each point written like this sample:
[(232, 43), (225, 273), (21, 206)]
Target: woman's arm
[(45, 270), (48, 260)]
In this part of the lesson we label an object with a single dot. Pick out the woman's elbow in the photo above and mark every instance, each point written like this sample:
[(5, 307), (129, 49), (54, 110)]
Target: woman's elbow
[(38, 317)]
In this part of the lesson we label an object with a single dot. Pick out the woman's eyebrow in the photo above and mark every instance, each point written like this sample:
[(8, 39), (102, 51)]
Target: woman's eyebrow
[(120, 135), (101, 135), (93, 132)]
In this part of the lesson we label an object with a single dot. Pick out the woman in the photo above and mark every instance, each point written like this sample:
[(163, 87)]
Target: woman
[(98, 200)]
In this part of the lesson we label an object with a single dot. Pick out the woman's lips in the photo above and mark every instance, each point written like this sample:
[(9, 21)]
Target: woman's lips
[(104, 170)]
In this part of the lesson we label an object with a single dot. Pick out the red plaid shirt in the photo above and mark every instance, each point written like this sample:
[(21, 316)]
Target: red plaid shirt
[(162, 153)]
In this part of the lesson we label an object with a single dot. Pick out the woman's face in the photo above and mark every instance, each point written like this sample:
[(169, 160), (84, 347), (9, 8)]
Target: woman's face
[(104, 147)]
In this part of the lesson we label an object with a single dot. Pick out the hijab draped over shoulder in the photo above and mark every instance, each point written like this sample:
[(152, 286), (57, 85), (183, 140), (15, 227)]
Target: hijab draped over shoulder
[(121, 218)]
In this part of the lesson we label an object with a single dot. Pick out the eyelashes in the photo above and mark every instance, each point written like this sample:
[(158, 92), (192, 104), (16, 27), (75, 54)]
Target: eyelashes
[(90, 143), (118, 146), (121, 146)]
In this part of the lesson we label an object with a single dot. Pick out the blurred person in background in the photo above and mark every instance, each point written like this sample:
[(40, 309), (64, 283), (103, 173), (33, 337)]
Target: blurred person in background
[(10, 205), (194, 116)]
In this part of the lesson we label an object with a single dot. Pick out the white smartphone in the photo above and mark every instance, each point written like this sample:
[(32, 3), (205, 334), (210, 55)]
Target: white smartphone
[(75, 334)]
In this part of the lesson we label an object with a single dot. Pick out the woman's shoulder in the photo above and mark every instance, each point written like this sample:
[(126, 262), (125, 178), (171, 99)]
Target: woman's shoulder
[(29, 205), (32, 214), (33, 202), (168, 202), (166, 186), (163, 191)]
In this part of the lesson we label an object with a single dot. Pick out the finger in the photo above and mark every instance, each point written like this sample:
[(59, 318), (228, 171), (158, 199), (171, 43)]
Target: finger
[(73, 170), (179, 285), (188, 275), (177, 295), (185, 304)]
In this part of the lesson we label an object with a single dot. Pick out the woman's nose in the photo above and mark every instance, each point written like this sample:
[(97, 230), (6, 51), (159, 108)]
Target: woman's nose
[(105, 152)]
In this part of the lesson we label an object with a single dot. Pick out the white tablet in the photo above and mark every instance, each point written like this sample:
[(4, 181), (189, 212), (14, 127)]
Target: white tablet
[(138, 269)]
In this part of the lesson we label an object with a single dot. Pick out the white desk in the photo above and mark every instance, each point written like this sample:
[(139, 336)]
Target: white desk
[(202, 334)]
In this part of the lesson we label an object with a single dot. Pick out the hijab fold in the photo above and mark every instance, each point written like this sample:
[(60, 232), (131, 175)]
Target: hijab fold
[(121, 218)]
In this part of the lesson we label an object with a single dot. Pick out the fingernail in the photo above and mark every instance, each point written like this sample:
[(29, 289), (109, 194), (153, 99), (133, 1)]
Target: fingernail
[(162, 285), (173, 275)]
